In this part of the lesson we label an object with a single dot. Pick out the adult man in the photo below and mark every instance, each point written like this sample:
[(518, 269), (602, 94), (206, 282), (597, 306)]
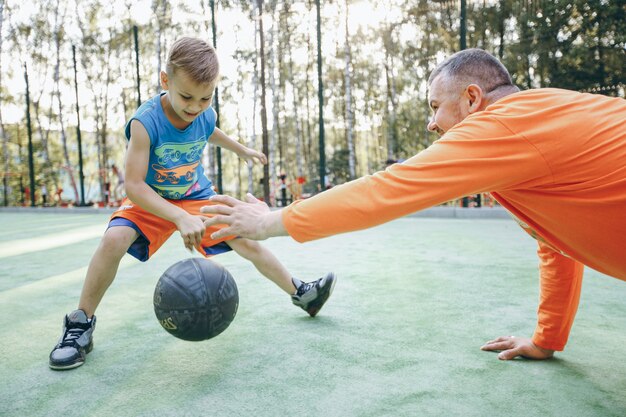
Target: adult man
[(555, 159)]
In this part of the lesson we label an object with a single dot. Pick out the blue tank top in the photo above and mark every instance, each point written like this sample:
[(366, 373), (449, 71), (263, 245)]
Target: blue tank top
[(175, 170)]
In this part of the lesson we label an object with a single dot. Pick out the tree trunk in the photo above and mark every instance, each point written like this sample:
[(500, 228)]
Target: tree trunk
[(105, 124), (501, 27), (47, 166), (57, 93), (3, 136), (158, 37), (266, 184), (526, 42), (349, 115), (240, 133), (308, 140), (392, 135), (296, 103), (209, 159), (274, 140), (44, 135), (320, 98), (255, 85)]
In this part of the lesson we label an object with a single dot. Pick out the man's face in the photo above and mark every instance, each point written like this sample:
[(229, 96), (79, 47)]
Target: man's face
[(446, 102), (187, 99)]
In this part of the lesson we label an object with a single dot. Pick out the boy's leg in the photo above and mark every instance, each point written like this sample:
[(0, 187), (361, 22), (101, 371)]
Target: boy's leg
[(265, 262), (103, 266), (310, 296), (76, 340)]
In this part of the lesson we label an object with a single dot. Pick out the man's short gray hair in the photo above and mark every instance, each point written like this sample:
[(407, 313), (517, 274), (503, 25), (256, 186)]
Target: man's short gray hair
[(473, 66)]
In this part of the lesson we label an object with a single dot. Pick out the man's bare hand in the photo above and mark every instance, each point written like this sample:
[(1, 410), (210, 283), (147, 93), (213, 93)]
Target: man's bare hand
[(251, 219), (511, 347)]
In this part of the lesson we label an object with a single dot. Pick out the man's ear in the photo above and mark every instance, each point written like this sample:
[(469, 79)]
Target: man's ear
[(164, 80), (475, 97)]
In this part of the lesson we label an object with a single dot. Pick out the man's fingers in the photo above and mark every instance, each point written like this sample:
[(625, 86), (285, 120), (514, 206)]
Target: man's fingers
[(500, 343), (212, 209), (211, 221), (223, 199), (216, 209), (252, 199), (499, 339), (510, 354), (221, 233), (497, 345), (511, 347), (507, 348)]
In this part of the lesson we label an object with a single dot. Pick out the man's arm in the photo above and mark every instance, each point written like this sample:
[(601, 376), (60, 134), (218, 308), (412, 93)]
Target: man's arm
[(561, 281), (458, 164)]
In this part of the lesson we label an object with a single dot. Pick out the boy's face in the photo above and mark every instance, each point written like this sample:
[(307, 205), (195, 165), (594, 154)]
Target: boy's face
[(186, 98)]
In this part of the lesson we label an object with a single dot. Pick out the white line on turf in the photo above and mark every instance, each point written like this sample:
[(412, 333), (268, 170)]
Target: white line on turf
[(41, 243)]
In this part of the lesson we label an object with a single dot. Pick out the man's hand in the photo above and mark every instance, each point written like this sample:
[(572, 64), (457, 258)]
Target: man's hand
[(252, 219), (191, 229), (512, 347)]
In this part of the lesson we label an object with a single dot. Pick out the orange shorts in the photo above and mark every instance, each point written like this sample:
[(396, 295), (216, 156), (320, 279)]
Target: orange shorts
[(154, 231)]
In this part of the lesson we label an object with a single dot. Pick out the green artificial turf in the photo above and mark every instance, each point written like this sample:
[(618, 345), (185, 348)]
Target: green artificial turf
[(415, 300)]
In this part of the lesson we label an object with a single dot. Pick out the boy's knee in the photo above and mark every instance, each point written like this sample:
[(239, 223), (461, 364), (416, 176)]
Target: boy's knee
[(117, 241)]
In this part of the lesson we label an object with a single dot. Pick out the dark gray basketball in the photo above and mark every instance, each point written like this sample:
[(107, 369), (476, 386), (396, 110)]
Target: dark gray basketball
[(196, 299)]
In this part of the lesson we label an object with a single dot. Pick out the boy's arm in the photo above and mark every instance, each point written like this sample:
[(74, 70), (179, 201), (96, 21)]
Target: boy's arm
[(139, 192), (222, 140)]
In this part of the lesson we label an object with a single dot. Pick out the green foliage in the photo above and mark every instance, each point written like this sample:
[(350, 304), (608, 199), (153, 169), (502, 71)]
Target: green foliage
[(575, 44)]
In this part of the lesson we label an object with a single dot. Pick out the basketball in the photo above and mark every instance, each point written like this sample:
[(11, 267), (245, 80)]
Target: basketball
[(195, 299)]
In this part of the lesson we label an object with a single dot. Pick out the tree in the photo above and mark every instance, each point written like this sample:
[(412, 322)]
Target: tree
[(266, 174), (58, 40), (349, 115), (375, 78), (162, 12), (34, 40), (102, 41), (3, 136), (273, 70)]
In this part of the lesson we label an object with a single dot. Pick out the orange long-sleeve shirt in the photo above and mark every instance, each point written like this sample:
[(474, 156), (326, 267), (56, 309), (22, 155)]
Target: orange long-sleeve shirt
[(556, 159)]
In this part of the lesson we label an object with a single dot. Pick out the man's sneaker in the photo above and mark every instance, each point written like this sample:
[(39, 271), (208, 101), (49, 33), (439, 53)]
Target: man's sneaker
[(311, 296), (75, 342)]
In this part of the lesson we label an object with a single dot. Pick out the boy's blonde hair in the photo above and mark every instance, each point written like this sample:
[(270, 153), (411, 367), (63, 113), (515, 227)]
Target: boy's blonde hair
[(196, 58)]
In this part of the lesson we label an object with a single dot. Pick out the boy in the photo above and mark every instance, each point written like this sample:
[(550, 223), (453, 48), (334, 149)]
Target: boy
[(165, 187)]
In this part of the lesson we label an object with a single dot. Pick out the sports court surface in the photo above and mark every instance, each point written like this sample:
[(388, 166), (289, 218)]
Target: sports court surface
[(415, 300)]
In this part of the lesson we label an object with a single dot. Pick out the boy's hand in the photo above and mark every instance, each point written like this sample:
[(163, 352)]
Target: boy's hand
[(255, 156), (191, 229)]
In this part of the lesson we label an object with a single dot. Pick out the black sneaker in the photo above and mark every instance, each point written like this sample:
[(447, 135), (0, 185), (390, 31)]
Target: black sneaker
[(75, 342), (311, 296)]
